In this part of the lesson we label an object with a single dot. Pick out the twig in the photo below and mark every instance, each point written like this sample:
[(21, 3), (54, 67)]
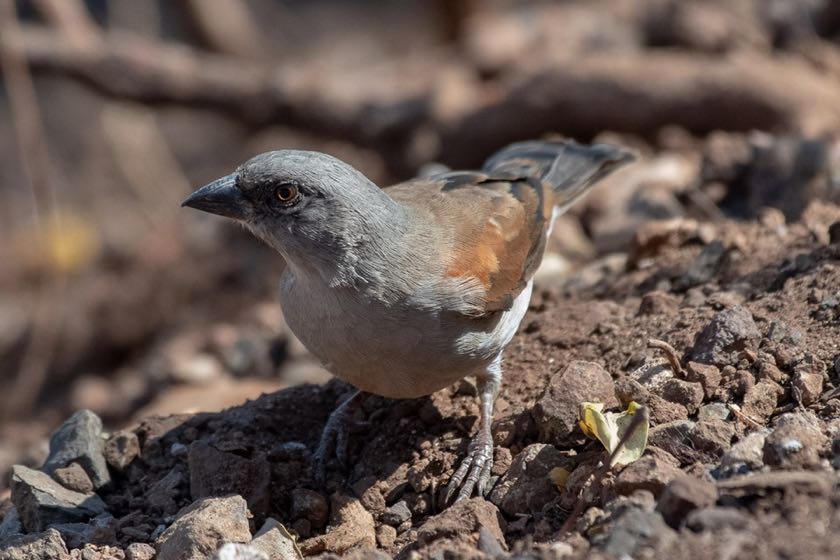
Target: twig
[(670, 355), (736, 410), (641, 417)]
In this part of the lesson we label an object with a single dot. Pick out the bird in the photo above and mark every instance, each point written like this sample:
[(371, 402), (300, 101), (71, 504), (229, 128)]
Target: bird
[(404, 290)]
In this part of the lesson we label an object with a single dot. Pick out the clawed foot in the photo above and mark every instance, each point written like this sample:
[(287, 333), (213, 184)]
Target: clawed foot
[(474, 471), (335, 437)]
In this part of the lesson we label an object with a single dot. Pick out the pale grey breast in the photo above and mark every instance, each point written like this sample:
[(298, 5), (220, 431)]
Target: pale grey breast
[(396, 350)]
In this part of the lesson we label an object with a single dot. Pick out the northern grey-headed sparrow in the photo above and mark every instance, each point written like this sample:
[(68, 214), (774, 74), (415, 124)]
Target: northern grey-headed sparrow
[(404, 290)]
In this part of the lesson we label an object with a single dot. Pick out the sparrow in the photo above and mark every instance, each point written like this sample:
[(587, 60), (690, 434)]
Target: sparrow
[(405, 290)]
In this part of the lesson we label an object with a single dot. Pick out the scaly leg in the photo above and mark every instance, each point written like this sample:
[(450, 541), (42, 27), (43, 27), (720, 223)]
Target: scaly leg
[(474, 471), (334, 438)]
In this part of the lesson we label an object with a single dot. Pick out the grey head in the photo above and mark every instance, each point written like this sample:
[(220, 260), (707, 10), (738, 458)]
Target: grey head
[(320, 213)]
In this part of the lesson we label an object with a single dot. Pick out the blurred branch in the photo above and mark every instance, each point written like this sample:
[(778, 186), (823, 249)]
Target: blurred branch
[(632, 92), (47, 313), (227, 26), (73, 20)]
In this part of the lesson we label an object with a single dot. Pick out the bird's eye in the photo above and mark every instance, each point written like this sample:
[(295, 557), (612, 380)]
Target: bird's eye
[(287, 194)]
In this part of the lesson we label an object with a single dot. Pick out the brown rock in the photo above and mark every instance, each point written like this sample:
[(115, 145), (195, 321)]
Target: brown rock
[(761, 400), (121, 449), (663, 411), (74, 477), (556, 413), (675, 438), (367, 490), (203, 527), (37, 546), (352, 528), (797, 440), (217, 473), (707, 375), (686, 393), (527, 487), (808, 377), (652, 472), (748, 451), (713, 437), (386, 536), (683, 495), (461, 523), (275, 541), (309, 505), (139, 551)]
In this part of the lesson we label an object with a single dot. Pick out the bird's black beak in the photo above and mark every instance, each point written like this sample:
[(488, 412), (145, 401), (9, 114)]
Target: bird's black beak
[(220, 197)]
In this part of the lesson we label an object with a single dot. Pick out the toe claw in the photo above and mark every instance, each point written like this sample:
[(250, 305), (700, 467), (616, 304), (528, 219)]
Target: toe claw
[(474, 472)]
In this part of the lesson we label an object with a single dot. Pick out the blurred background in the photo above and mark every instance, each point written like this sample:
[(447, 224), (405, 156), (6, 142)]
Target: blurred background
[(114, 298)]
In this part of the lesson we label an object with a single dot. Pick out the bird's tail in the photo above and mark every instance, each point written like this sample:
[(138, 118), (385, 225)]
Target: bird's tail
[(570, 168)]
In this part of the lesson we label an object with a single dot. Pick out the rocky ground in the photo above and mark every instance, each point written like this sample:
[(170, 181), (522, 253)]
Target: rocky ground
[(703, 282), (741, 459)]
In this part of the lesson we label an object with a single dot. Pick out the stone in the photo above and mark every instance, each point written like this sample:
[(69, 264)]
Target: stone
[(834, 233), (675, 438), (748, 451), (275, 541), (201, 528), (238, 551), (41, 501), (556, 412), (386, 536), (101, 530), (653, 373), (729, 333), (683, 495), (717, 519), (652, 472), (714, 411), (632, 529), (713, 437), (527, 486), (79, 439), (461, 523), (74, 477), (808, 378), (218, 473), (686, 393), (163, 495), (352, 527), (38, 546), (707, 375), (310, 505), (11, 525), (797, 440), (367, 488), (139, 551), (121, 449), (761, 400), (663, 411), (396, 514)]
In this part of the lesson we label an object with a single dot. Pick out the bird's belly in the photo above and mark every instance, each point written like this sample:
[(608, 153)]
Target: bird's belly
[(390, 350)]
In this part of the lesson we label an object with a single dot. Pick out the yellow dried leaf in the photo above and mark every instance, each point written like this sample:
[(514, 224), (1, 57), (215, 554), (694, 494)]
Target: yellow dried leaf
[(610, 427), (63, 244)]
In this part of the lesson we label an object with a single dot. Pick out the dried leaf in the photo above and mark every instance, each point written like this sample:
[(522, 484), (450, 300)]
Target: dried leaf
[(610, 427)]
